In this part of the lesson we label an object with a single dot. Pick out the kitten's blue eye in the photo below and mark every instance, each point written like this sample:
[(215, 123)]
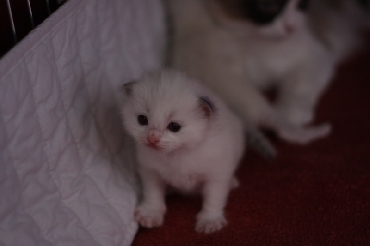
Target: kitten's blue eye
[(143, 120), (174, 127)]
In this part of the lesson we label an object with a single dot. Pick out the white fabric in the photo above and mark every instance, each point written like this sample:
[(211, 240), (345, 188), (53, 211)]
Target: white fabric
[(61, 143)]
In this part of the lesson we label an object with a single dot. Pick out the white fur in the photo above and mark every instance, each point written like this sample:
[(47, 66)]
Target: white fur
[(239, 59), (339, 24), (201, 157)]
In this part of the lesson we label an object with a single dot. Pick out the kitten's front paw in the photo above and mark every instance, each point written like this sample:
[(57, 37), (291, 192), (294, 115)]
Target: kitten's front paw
[(296, 116), (305, 135), (209, 224), (149, 217)]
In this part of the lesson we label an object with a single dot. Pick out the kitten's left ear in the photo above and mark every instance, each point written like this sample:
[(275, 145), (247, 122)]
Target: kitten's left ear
[(128, 87), (206, 106)]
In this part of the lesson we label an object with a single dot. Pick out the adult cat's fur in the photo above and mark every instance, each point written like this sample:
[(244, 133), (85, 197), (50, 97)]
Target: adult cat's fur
[(339, 24), (238, 58), (186, 138)]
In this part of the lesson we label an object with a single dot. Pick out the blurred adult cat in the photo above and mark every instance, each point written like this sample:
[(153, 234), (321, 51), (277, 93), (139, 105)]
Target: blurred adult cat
[(240, 48)]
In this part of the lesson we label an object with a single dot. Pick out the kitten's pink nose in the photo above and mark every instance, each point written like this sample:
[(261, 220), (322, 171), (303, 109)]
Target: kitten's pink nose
[(153, 139)]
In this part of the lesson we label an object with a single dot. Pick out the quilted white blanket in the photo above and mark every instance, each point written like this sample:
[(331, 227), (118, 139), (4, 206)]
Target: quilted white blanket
[(65, 179)]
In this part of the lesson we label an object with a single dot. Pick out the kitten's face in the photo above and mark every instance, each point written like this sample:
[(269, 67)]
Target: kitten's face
[(268, 18), (163, 119)]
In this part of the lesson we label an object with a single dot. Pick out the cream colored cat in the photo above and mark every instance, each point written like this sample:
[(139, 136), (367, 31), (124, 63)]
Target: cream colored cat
[(239, 48)]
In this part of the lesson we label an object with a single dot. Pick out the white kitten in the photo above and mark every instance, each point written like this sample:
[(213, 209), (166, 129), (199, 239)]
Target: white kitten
[(240, 48), (185, 138)]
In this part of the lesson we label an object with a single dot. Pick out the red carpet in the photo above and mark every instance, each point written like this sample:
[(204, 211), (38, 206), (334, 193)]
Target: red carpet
[(310, 195)]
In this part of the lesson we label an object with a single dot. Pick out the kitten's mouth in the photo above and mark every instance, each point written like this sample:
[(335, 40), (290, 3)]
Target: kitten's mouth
[(153, 146)]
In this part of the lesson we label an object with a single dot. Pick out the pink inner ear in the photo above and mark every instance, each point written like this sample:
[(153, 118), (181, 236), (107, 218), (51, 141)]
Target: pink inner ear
[(206, 110), (206, 107)]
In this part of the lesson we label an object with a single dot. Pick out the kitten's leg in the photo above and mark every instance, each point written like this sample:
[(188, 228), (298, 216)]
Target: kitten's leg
[(150, 212), (254, 109), (296, 103), (211, 218), (299, 134), (301, 90), (296, 110)]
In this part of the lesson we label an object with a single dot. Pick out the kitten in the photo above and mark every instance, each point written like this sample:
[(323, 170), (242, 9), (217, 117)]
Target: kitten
[(240, 48), (186, 138)]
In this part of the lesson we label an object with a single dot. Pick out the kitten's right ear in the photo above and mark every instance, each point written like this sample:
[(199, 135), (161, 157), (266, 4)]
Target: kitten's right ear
[(128, 88), (206, 106)]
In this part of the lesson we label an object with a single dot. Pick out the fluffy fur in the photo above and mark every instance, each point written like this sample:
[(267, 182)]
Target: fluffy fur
[(186, 138), (239, 59), (339, 24)]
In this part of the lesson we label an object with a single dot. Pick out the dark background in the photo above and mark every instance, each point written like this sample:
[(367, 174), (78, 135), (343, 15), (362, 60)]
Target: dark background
[(19, 17)]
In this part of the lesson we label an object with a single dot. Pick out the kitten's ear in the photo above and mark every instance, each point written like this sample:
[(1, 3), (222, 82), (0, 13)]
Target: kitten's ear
[(206, 106), (128, 87)]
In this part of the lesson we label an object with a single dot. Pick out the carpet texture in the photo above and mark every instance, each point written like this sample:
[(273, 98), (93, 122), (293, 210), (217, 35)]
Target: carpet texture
[(309, 195)]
